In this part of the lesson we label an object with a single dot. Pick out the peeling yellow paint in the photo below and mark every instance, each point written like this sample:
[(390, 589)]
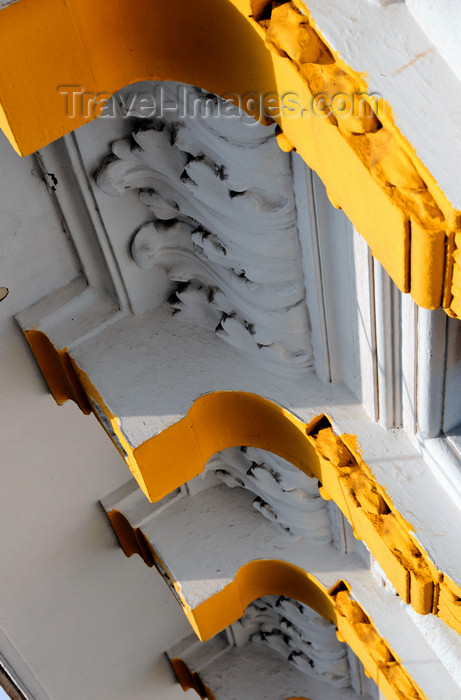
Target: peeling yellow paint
[(369, 169), (409, 245)]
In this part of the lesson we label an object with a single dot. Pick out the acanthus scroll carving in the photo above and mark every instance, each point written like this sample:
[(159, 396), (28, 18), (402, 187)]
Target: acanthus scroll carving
[(283, 494), (298, 633), (223, 228)]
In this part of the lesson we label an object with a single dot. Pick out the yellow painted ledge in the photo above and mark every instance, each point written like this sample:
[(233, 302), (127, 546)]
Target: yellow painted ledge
[(189, 679), (273, 577), (233, 418), (239, 47)]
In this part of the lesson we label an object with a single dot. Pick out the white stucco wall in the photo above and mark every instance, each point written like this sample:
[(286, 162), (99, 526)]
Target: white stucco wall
[(78, 620), (441, 21)]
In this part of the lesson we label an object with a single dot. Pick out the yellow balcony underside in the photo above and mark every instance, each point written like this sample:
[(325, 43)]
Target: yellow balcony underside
[(259, 578), (224, 419), (238, 47)]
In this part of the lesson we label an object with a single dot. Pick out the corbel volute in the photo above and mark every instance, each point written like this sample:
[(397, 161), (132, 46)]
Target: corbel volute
[(77, 52)]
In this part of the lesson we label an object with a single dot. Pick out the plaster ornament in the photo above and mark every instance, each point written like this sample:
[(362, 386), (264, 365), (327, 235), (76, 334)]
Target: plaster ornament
[(297, 633), (284, 494), (166, 433), (213, 582), (224, 228)]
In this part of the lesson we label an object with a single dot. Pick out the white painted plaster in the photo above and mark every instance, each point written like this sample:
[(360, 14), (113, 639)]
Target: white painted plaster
[(441, 21), (284, 494), (273, 624), (235, 534), (149, 369), (221, 232), (326, 237), (452, 380), (78, 620), (408, 70), (147, 400), (445, 642), (260, 674), (298, 634)]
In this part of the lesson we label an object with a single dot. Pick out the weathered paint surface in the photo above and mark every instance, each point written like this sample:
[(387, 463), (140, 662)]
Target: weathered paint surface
[(163, 453), (223, 225), (335, 605), (369, 167), (67, 591), (109, 365), (214, 583), (219, 421), (273, 628)]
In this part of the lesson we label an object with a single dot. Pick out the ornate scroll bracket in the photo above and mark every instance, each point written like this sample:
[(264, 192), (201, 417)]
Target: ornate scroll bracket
[(201, 668), (224, 231), (346, 479), (284, 494)]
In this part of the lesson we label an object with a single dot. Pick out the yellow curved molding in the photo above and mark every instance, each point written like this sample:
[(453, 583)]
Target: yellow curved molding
[(273, 577), (239, 47), (58, 369), (417, 216), (131, 540), (191, 680), (224, 419), (104, 46)]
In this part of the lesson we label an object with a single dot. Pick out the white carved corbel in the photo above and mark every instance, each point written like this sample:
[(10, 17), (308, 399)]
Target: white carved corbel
[(206, 532), (284, 494), (225, 230), (148, 369), (297, 633)]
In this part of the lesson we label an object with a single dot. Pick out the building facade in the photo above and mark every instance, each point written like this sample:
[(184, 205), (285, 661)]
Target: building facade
[(252, 286)]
